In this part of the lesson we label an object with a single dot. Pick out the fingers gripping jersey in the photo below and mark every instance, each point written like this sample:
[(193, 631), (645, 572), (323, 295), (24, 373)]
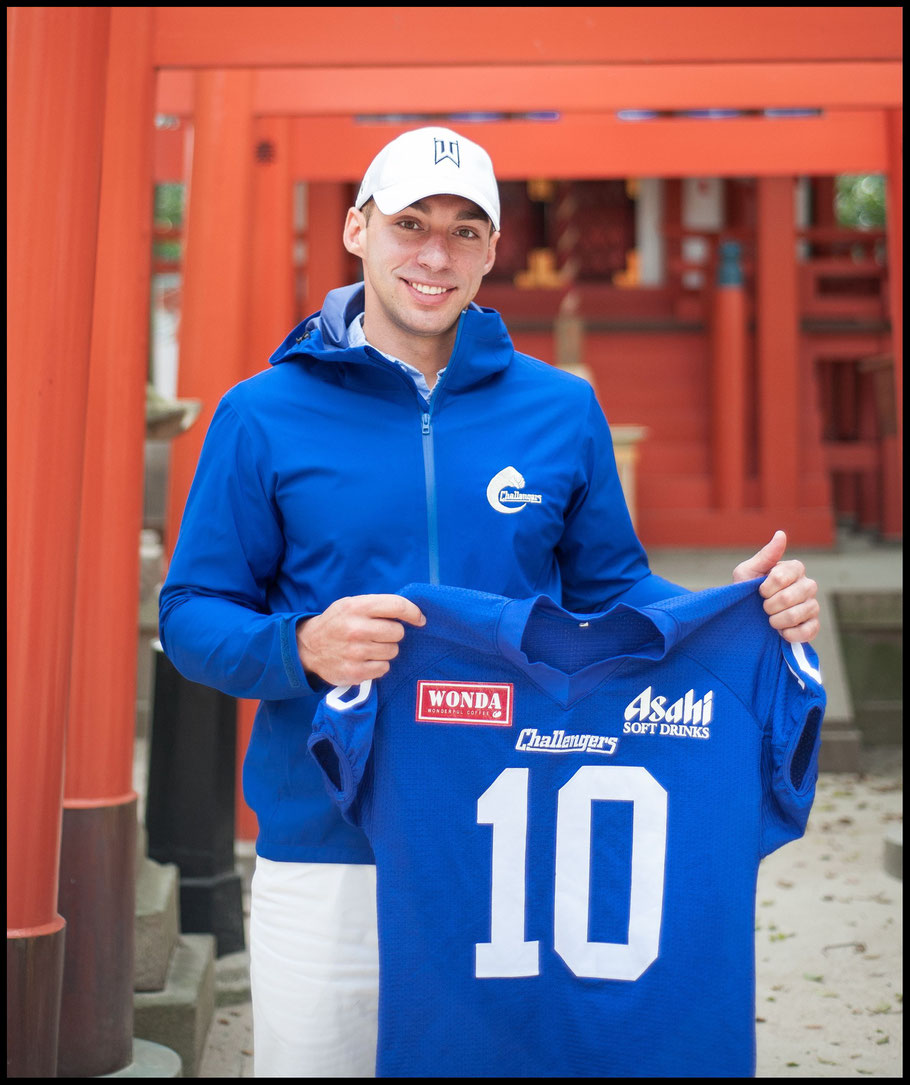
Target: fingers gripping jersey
[(568, 813)]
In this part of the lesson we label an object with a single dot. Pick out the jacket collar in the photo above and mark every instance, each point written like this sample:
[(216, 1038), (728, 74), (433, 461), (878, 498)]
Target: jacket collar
[(482, 344)]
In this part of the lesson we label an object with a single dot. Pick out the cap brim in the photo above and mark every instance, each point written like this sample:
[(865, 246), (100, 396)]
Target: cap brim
[(397, 197)]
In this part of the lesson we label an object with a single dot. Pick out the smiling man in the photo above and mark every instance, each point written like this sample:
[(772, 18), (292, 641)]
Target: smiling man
[(422, 266), (397, 436)]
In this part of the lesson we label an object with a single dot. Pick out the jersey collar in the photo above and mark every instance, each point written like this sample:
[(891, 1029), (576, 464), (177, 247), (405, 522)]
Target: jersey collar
[(583, 649)]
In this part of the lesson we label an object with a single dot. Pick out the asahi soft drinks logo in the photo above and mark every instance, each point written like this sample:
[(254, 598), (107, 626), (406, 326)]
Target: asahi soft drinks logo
[(485, 703), (685, 717)]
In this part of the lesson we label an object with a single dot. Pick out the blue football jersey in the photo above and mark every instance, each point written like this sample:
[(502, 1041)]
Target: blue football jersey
[(568, 812)]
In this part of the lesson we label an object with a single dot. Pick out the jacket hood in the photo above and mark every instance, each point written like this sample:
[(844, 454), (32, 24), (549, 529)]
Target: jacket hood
[(482, 345)]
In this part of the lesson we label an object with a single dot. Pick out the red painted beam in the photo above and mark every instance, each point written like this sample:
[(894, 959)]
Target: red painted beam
[(353, 36), (596, 146), (567, 88)]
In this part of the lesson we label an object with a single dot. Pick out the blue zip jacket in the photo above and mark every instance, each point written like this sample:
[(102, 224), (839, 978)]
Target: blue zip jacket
[(328, 475)]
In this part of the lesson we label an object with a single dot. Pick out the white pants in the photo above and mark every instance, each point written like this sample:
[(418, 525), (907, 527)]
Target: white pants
[(314, 969)]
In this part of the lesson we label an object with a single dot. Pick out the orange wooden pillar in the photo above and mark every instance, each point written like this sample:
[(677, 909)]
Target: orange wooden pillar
[(246, 825), (777, 346), (728, 381), (272, 304), (894, 443), (97, 862), (216, 271), (271, 274), (326, 262), (271, 317), (57, 60), (214, 354)]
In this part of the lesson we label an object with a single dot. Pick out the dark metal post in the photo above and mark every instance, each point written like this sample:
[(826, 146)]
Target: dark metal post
[(190, 801)]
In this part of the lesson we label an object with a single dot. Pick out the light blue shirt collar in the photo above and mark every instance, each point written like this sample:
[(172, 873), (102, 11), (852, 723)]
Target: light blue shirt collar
[(356, 338)]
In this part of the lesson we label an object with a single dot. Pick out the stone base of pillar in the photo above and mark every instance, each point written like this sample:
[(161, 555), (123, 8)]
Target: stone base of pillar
[(151, 1060)]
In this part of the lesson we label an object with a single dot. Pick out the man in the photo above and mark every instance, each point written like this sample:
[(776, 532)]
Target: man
[(397, 436)]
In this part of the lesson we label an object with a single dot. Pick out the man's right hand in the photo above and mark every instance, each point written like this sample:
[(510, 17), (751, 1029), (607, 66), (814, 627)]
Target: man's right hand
[(353, 639)]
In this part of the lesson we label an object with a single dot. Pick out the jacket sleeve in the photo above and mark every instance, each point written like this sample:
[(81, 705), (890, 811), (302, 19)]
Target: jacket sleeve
[(601, 559), (215, 623)]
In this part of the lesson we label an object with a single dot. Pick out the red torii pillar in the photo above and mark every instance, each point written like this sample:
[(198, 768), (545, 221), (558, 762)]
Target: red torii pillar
[(327, 258), (271, 309), (56, 79), (215, 318), (213, 356), (271, 270), (97, 863), (728, 381), (777, 343), (894, 451)]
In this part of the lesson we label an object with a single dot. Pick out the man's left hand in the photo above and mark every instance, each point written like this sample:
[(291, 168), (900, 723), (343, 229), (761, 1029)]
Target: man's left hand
[(790, 596)]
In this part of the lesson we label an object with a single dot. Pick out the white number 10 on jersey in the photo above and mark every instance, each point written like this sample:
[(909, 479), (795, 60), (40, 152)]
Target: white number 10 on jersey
[(504, 805)]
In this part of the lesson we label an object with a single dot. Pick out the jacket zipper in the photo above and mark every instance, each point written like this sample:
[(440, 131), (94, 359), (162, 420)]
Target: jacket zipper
[(429, 476), (429, 469)]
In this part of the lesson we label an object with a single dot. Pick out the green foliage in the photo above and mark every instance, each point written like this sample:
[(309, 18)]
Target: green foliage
[(169, 211), (859, 201), (169, 201)]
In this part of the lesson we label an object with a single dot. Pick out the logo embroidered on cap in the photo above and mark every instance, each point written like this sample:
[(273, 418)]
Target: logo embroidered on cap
[(486, 703), (446, 149)]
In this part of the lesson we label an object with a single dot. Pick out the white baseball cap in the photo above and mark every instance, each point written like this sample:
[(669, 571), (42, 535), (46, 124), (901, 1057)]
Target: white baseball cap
[(430, 162)]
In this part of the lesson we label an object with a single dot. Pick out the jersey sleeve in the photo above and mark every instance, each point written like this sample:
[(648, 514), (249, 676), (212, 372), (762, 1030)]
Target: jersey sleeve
[(792, 736), (341, 743)]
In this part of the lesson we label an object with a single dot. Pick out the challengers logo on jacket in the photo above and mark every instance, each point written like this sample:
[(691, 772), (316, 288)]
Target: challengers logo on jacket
[(504, 491)]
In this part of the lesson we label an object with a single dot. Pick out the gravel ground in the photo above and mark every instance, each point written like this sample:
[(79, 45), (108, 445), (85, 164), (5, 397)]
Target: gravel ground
[(829, 935)]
